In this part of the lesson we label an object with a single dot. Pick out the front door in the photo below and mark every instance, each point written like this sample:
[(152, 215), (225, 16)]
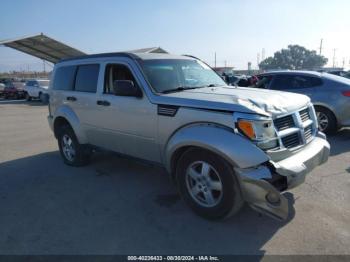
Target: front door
[(125, 124)]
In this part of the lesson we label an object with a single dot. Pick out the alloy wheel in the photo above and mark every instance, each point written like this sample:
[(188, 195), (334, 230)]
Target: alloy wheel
[(323, 121), (204, 184), (68, 148)]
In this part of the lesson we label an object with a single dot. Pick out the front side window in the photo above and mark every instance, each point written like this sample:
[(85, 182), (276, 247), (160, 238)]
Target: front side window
[(262, 81), (116, 72), (168, 74), (86, 78), (283, 82)]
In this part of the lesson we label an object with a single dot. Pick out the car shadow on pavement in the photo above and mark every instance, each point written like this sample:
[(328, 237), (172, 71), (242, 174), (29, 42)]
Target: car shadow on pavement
[(340, 142), (114, 206), (22, 102)]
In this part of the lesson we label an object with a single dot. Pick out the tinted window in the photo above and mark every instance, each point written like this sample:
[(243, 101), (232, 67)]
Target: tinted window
[(64, 78), (285, 82), (30, 83), (86, 79), (262, 81), (116, 72)]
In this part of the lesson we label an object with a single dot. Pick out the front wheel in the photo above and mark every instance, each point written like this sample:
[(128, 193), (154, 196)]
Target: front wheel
[(28, 97), (326, 121), (73, 153), (208, 184)]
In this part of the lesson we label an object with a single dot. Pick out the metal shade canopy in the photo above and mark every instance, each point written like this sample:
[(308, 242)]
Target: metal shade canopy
[(43, 47)]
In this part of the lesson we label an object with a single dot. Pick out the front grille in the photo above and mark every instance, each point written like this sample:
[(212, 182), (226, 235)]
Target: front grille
[(304, 115), (284, 122), (290, 141), (308, 133)]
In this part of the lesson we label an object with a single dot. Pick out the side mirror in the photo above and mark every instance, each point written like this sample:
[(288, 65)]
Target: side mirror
[(126, 88)]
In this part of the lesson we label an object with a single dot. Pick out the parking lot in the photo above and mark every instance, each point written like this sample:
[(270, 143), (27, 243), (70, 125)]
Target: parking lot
[(119, 206)]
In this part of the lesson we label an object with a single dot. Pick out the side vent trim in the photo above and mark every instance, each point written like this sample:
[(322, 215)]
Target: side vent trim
[(167, 110)]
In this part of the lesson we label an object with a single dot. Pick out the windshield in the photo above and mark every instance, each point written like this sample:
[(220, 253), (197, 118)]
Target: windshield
[(172, 74)]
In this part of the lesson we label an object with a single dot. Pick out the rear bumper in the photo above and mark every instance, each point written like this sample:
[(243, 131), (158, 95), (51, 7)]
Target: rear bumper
[(262, 186)]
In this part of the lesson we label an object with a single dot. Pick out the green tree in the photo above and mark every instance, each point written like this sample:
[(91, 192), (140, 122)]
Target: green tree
[(294, 57)]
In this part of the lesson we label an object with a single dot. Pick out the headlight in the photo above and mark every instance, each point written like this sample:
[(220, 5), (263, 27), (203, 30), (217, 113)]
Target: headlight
[(259, 130)]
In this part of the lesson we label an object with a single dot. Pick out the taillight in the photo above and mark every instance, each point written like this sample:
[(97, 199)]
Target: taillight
[(346, 93)]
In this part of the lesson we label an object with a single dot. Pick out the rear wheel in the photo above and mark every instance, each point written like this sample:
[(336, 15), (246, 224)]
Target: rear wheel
[(73, 153), (208, 184), (326, 120)]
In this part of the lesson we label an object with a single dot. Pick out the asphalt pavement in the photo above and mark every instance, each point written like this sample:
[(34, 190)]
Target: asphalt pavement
[(121, 206)]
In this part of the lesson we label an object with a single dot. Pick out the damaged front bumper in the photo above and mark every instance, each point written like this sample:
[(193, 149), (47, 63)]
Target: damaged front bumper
[(262, 186)]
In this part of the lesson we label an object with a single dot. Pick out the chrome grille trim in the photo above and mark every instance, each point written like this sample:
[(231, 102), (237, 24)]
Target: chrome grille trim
[(284, 122), (305, 114), (291, 141), (308, 133), (297, 128)]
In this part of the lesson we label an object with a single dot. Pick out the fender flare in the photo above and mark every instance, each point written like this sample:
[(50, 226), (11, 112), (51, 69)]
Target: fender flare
[(237, 150), (67, 113)]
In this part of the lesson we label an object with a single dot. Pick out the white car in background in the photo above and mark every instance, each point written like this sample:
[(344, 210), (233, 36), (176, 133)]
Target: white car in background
[(37, 88)]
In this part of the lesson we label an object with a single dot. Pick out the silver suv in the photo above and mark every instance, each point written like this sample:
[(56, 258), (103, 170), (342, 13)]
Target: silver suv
[(222, 145)]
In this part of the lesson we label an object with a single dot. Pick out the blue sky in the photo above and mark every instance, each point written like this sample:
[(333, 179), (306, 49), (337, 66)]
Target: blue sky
[(236, 30)]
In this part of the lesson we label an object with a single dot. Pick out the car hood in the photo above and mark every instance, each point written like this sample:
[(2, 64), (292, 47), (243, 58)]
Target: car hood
[(238, 99)]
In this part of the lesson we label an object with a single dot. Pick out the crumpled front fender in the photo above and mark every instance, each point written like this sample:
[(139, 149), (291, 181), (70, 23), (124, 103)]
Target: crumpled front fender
[(237, 150)]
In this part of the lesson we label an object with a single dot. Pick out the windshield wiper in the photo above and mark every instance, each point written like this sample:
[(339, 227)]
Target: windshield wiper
[(178, 89), (182, 88)]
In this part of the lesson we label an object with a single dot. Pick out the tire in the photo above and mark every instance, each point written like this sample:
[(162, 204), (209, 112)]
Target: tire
[(28, 97), (326, 121), (189, 175), (67, 142), (43, 98)]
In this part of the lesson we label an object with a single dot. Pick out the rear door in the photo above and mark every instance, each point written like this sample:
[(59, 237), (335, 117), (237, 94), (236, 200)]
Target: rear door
[(83, 99)]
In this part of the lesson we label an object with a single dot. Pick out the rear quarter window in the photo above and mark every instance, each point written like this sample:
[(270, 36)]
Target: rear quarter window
[(64, 78)]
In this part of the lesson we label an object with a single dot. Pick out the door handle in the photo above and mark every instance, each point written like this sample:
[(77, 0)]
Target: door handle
[(71, 98), (103, 103)]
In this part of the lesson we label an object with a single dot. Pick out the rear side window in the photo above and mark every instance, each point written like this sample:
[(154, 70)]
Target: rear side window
[(86, 78), (285, 82), (64, 78)]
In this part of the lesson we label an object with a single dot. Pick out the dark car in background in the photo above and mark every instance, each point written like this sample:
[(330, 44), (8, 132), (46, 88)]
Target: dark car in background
[(13, 90), (329, 93)]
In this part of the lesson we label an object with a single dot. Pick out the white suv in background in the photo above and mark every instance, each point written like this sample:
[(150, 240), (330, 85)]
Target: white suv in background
[(37, 88)]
